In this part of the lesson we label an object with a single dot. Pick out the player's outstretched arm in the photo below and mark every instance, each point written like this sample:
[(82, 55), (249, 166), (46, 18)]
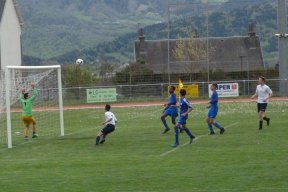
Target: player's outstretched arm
[(23, 90), (253, 96), (21, 96), (34, 92)]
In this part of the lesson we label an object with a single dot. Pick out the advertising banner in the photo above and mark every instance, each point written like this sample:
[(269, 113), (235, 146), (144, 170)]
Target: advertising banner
[(101, 95), (192, 91), (226, 90)]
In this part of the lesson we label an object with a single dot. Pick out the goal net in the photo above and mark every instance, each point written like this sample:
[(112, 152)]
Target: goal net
[(47, 107)]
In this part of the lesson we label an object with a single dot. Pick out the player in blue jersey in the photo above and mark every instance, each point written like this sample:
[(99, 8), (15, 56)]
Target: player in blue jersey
[(185, 109), (213, 110), (170, 109)]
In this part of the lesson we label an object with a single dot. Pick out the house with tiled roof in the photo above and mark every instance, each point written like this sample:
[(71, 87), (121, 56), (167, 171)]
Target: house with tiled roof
[(10, 33), (228, 54)]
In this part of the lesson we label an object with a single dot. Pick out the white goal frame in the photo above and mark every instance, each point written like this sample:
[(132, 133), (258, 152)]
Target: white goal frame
[(8, 108)]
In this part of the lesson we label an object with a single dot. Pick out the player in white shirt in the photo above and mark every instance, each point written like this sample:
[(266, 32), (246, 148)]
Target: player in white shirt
[(264, 93), (110, 122)]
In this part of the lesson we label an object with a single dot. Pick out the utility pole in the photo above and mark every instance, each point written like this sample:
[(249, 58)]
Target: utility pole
[(207, 43), (168, 44), (241, 65), (283, 49)]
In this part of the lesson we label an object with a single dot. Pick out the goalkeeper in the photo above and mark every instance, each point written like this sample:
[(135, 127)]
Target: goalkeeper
[(27, 99)]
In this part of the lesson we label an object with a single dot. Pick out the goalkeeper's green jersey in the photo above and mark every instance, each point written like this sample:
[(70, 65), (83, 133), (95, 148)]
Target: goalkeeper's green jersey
[(27, 104)]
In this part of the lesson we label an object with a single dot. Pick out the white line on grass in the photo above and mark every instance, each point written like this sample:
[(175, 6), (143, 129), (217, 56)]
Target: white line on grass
[(84, 130), (176, 148), (99, 127), (183, 145)]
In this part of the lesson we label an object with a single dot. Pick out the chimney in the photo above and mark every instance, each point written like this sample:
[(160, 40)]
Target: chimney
[(141, 35), (142, 45), (195, 35), (251, 31)]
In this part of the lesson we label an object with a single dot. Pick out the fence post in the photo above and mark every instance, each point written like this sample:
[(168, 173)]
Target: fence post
[(162, 90), (244, 88), (203, 87)]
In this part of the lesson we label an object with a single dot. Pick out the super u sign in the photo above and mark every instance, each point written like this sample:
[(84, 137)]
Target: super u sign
[(226, 90)]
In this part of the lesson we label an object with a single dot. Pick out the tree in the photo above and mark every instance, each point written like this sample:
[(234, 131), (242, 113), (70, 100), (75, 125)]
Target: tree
[(190, 49), (106, 69), (193, 52), (78, 75), (135, 72)]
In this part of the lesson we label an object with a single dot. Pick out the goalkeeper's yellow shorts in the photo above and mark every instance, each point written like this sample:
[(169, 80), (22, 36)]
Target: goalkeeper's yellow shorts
[(27, 120)]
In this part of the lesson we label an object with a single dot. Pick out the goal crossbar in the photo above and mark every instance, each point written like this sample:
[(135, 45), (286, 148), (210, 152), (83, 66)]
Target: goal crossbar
[(35, 67)]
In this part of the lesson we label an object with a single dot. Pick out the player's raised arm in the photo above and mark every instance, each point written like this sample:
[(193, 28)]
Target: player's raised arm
[(21, 96), (34, 92), (23, 90)]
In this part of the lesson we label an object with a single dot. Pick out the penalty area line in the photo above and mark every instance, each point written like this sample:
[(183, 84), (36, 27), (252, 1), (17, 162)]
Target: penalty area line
[(185, 144), (176, 148)]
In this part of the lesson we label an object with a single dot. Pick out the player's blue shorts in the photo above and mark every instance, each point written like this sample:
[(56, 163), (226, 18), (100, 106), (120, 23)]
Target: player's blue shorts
[(212, 113), (182, 120), (171, 111)]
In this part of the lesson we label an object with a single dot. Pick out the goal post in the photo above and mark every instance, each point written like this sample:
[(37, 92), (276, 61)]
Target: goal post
[(50, 97)]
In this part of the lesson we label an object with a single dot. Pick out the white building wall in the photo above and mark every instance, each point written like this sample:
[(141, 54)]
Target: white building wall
[(10, 33)]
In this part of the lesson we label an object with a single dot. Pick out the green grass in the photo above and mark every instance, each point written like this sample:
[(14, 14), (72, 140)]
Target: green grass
[(243, 159)]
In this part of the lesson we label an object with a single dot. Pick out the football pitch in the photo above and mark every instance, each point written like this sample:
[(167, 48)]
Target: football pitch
[(137, 157)]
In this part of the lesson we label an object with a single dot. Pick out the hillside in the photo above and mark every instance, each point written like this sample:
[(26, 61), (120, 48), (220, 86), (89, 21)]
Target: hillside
[(106, 29), (221, 24), (54, 27)]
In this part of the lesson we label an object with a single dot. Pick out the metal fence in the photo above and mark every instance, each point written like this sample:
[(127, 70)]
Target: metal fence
[(158, 92)]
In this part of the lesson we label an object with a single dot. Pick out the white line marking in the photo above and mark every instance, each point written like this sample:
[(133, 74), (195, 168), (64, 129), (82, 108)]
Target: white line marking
[(99, 127), (67, 108), (127, 105), (96, 128), (176, 148), (180, 146)]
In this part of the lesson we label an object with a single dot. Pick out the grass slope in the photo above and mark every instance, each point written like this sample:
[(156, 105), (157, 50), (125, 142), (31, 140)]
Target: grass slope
[(243, 159)]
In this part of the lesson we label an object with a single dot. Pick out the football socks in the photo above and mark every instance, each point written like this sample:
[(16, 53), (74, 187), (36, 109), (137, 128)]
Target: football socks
[(210, 127), (260, 125), (165, 123), (218, 125), (176, 134)]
